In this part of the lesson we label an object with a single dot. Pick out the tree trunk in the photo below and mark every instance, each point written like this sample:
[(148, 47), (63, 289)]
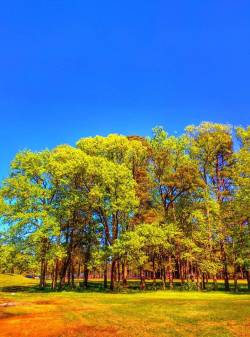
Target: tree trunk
[(226, 277), (235, 278), (215, 282), (56, 274), (43, 273), (118, 273), (63, 271), (225, 270), (124, 274), (142, 276), (79, 270), (105, 271), (86, 275), (72, 275), (105, 276), (198, 281), (69, 273), (248, 280), (203, 281), (163, 277), (182, 273), (170, 274), (154, 275), (112, 275)]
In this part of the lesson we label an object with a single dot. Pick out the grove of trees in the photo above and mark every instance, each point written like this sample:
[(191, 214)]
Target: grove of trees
[(163, 207)]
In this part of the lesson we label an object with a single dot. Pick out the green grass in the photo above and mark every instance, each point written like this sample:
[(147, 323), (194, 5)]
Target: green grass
[(136, 314), (11, 280)]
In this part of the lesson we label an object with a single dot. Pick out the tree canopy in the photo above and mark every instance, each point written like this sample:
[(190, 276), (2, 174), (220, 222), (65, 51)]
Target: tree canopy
[(127, 206)]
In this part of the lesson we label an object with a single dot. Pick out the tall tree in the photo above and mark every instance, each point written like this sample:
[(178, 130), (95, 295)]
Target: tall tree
[(211, 148)]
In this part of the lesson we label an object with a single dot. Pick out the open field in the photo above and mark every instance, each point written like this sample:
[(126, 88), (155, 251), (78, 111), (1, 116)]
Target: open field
[(25, 311)]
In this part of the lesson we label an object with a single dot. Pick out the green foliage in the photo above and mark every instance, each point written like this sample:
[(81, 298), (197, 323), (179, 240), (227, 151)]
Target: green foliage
[(166, 205)]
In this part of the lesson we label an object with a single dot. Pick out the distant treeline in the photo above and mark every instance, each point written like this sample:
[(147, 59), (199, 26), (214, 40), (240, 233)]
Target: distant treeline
[(163, 207)]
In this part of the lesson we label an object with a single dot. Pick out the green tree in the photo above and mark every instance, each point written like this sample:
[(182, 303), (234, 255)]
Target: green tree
[(212, 149)]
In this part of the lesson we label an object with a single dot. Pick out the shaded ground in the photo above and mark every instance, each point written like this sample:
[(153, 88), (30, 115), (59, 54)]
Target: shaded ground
[(17, 283), (97, 314)]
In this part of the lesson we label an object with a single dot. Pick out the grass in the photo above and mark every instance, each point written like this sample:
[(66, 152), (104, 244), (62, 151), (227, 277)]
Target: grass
[(136, 314)]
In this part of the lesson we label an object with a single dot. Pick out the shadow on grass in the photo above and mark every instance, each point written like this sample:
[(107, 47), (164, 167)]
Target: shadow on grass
[(132, 287)]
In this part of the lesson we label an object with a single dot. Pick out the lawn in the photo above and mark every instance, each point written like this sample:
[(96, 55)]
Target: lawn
[(26, 311)]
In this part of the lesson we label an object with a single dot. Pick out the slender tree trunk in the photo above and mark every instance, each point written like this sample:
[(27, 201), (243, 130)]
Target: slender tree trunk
[(79, 270), (182, 272), (178, 269), (163, 277), (43, 269), (43, 273), (63, 271), (72, 275), (105, 271), (154, 274), (118, 273), (124, 274), (235, 279), (198, 281), (112, 275), (170, 273), (105, 275), (53, 278), (41, 283), (248, 280), (69, 273), (215, 282), (225, 269), (142, 276), (203, 281), (67, 261), (85, 275), (241, 273), (56, 274)]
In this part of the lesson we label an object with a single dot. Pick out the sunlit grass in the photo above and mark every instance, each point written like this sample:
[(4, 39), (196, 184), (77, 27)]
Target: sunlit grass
[(7, 280), (152, 313)]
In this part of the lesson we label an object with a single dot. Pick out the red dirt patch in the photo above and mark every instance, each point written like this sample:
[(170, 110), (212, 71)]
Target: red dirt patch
[(44, 302), (45, 325)]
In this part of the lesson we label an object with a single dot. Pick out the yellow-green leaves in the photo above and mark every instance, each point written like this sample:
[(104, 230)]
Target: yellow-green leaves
[(172, 170)]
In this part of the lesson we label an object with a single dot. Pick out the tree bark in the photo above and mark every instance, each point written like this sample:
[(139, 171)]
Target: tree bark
[(142, 276), (154, 275), (43, 273), (85, 275), (235, 281), (72, 275), (170, 273), (112, 275), (182, 273), (124, 274), (163, 277), (118, 273), (225, 270), (203, 281), (105, 276), (248, 280), (198, 281)]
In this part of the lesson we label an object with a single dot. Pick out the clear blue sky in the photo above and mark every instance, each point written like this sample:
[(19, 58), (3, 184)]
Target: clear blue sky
[(70, 69)]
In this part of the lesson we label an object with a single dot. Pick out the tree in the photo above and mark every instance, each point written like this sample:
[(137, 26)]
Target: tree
[(119, 201), (211, 148), (240, 228), (162, 207), (30, 196), (173, 172)]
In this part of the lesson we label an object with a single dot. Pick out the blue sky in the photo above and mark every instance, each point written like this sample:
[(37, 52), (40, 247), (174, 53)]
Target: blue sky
[(70, 69)]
